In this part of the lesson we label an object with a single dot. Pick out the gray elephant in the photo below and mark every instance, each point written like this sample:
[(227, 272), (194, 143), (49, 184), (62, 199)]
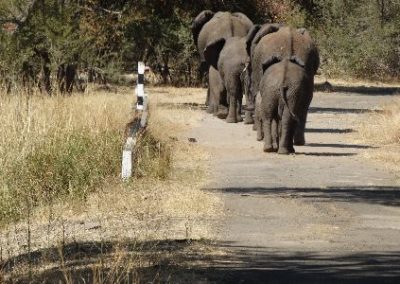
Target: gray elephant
[(208, 27), (253, 38), (286, 94), (282, 43), (229, 57)]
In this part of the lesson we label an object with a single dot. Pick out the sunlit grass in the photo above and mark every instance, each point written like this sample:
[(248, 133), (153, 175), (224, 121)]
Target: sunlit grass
[(60, 179), (382, 129)]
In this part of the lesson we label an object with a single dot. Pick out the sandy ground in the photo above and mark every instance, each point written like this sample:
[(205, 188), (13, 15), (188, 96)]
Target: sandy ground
[(325, 214)]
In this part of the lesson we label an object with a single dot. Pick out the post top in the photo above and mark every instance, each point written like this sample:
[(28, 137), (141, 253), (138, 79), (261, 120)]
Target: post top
[(141, 67)]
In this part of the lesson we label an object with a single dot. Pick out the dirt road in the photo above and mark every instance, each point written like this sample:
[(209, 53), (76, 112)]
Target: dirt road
[(325, 214)]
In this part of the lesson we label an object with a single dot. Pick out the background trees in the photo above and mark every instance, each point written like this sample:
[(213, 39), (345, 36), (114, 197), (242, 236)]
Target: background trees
[(357, 38)]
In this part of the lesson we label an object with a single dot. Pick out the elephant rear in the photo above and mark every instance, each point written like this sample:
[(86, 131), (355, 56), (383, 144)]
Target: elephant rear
[(286, 93), (284, 43)]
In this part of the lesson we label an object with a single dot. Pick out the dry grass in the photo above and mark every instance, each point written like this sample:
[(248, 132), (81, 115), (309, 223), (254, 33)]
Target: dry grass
[(382, 129), (57, 146), (158, 204)]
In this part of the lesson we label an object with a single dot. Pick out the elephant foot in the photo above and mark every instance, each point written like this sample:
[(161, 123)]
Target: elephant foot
[(269, 149), (239, 118), (231, 119), (210, 109), (248, 119), (255, 127), (285, 151), (275, 145), (260, 137)]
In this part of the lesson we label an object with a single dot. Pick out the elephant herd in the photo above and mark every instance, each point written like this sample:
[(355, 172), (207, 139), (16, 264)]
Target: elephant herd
[(273, 65)]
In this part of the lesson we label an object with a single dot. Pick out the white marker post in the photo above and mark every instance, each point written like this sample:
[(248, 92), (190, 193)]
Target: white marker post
[(127, 161), (141, 107)]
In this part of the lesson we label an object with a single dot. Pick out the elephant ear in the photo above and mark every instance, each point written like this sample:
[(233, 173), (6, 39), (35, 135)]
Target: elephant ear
[(270, 61), (250, 36), (199, 22), (212, 52), (314, 53)]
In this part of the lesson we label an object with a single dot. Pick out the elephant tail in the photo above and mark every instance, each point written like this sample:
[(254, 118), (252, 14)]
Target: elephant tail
[(283, 93)]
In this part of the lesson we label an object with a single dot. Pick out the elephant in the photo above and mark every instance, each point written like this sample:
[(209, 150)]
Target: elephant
[(286, 92), (229, 57), (253, 38), (208, 27), (284, 42)]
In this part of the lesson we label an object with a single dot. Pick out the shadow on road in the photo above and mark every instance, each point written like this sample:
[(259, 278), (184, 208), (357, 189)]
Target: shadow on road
[(187, 262), (383, 195), (362, 90), (260, 265), (326, 154), (341, 110), (346, 146), (329, 130)]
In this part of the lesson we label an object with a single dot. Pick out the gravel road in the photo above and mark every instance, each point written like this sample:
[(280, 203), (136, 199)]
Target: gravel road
[(325, 214)]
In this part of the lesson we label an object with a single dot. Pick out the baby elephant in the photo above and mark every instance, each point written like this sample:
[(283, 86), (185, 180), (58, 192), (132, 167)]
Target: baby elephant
[(285, 94)]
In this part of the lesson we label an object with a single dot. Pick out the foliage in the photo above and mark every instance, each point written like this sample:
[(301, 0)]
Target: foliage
[(358, 38)]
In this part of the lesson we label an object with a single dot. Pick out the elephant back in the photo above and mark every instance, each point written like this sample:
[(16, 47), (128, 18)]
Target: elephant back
[(286, 43), (283, 43), (222, 25)]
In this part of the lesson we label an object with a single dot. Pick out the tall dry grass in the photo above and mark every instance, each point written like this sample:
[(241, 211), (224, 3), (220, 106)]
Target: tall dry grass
[(69, 151), (52, 146), (382, 129)]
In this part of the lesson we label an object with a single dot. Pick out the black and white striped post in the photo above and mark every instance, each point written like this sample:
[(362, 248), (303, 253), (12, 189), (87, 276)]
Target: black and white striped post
[(139, 122), (140, 86)]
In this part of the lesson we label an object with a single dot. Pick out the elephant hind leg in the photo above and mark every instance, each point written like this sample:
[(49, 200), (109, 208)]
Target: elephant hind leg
[(288, 126), (259, 128), (299, 137), (222, 106), (274, 132), (207, 102), (268, 136), (248, 117), (234, 95)]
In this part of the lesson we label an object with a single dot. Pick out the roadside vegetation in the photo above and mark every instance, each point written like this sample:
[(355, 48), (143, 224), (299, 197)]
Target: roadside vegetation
[(382, 129), (60, 184), (105, 38)]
